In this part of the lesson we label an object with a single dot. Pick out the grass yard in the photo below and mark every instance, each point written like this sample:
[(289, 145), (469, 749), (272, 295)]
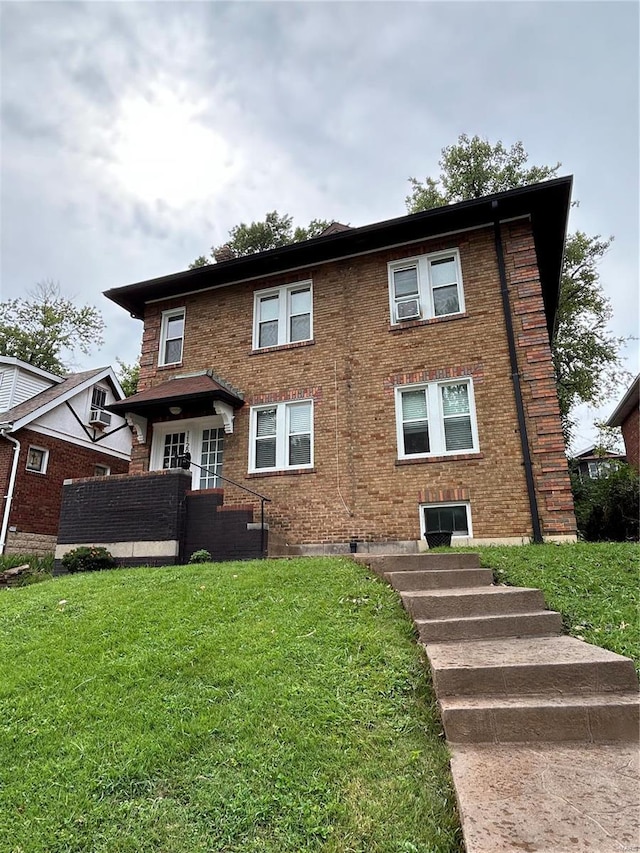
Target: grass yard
[(271, 706), (595, 585)]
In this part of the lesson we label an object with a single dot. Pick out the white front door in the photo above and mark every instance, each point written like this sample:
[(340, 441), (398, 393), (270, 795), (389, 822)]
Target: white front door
[(203, 438)]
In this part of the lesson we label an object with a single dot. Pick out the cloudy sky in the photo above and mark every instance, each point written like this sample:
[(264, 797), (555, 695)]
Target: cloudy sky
[(136, 134)]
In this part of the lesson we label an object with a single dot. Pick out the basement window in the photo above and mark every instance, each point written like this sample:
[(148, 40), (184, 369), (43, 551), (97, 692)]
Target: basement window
[(37, 459), (446, 516)]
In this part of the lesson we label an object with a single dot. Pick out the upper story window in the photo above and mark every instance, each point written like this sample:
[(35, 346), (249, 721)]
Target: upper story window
[(283, 315), (426, 286), (98, 399), (171, 337), (281, 436), (436, 419), (37, 459)]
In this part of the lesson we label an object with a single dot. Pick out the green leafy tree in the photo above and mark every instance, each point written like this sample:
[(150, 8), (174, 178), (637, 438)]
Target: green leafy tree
[(128, 376), (276, 230), (474, 168), (608, 508), (586, 355), (46, 328)]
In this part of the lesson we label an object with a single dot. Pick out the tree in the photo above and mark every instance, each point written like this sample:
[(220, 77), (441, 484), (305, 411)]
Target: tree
[(586, 356), (128, 376), (474, 168), (275, 231), (46, 328)]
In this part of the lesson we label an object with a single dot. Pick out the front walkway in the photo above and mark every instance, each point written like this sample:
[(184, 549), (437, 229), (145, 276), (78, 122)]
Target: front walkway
[(543, 728)]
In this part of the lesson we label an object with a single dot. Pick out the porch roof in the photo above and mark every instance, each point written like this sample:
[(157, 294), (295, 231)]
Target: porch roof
[(176, 392)]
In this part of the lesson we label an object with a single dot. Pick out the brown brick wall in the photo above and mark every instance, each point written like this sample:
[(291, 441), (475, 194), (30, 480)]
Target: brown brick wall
[(357, 487), (631, 437), (546, 443), (37, 497)]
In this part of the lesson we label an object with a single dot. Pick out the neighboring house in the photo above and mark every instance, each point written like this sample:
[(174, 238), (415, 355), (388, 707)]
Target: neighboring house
[(595, 463), (627, 416), (52, 428), (373, 382)]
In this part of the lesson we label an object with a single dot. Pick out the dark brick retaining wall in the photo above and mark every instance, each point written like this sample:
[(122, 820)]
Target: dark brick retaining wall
[(144, 508), (154, 518)]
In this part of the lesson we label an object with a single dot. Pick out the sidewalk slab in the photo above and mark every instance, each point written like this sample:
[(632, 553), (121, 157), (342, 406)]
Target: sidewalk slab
[(548, 798)]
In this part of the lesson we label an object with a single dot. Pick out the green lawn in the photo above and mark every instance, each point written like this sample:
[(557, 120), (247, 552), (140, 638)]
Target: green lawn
[(595, 585), (273, 706)]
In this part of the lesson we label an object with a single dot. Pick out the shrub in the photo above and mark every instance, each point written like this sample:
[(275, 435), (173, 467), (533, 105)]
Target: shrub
[(88, 558), (607, 509), (201, 556)]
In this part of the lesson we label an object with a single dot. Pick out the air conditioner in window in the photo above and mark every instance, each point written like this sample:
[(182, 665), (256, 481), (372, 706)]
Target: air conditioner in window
[(100, 418), (409, 309)]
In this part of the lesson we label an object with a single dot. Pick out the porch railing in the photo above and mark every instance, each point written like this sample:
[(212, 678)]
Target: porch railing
[(186, 462)]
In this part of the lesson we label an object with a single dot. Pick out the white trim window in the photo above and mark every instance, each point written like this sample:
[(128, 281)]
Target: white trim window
[(203, 438), (281, 437), (455, 516), (426, 286), (171, 337), (283, 315), (436, 419), (98, 400), (101, 471), (37, 460)]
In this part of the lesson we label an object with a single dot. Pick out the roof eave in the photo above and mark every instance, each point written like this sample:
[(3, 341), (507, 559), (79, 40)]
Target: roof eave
[(547, 203), (626, 405)]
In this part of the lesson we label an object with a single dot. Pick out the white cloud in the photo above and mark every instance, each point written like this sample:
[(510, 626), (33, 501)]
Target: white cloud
[(136, 134)]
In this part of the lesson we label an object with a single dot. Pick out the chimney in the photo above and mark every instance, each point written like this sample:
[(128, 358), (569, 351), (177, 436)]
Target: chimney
[(223, 253)]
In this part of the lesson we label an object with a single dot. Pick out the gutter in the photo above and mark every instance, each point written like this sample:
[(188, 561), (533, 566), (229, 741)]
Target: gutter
[(515, 378), (4, 429)]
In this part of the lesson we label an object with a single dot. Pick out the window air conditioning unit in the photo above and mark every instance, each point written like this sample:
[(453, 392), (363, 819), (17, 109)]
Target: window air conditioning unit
[(408, 310), (100, 418)]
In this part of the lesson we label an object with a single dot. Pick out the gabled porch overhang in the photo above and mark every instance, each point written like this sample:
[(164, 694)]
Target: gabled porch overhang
[(179, 395)]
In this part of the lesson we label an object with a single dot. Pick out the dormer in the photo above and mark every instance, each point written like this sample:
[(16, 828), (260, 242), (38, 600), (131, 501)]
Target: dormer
[(20, 381)]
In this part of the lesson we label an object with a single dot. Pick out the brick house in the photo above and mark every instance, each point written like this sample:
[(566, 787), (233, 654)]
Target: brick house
[(373, 382), (52, 428), (627, 416)]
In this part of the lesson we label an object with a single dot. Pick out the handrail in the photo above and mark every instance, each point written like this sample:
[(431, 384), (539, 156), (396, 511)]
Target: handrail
[(185, 463)]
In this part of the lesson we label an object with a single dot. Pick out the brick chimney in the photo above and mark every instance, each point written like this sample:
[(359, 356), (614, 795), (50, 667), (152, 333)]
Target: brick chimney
[(224, 253)]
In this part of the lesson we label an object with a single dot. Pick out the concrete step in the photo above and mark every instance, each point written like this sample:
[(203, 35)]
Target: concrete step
[(537, 623), (586, 718), (478, 601), (557, 665), (439, 579), (383, 563), (548, 798)]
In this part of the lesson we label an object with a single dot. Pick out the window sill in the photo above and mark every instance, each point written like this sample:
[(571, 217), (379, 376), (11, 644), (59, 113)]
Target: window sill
[(169, 366), (449, 457), (280, 347), (284, 473), (394, 328), (39, 473)]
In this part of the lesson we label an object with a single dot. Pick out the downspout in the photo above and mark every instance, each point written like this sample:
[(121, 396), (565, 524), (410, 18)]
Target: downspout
[(515, 377), (12, 483)]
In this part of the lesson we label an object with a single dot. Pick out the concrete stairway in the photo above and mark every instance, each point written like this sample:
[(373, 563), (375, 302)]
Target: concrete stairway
[(543, 728)]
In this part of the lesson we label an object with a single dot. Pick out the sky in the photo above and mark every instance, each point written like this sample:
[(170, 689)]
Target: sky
[(135, 135)]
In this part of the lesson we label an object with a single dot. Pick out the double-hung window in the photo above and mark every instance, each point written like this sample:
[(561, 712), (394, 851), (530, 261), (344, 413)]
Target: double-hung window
[(281, 437), (171, 337), (425, 287), (98, 400), (283, 315), (436, 419)]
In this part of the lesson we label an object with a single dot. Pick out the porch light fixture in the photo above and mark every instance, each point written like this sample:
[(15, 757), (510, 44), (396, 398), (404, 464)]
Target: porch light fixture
[(175, 410)]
